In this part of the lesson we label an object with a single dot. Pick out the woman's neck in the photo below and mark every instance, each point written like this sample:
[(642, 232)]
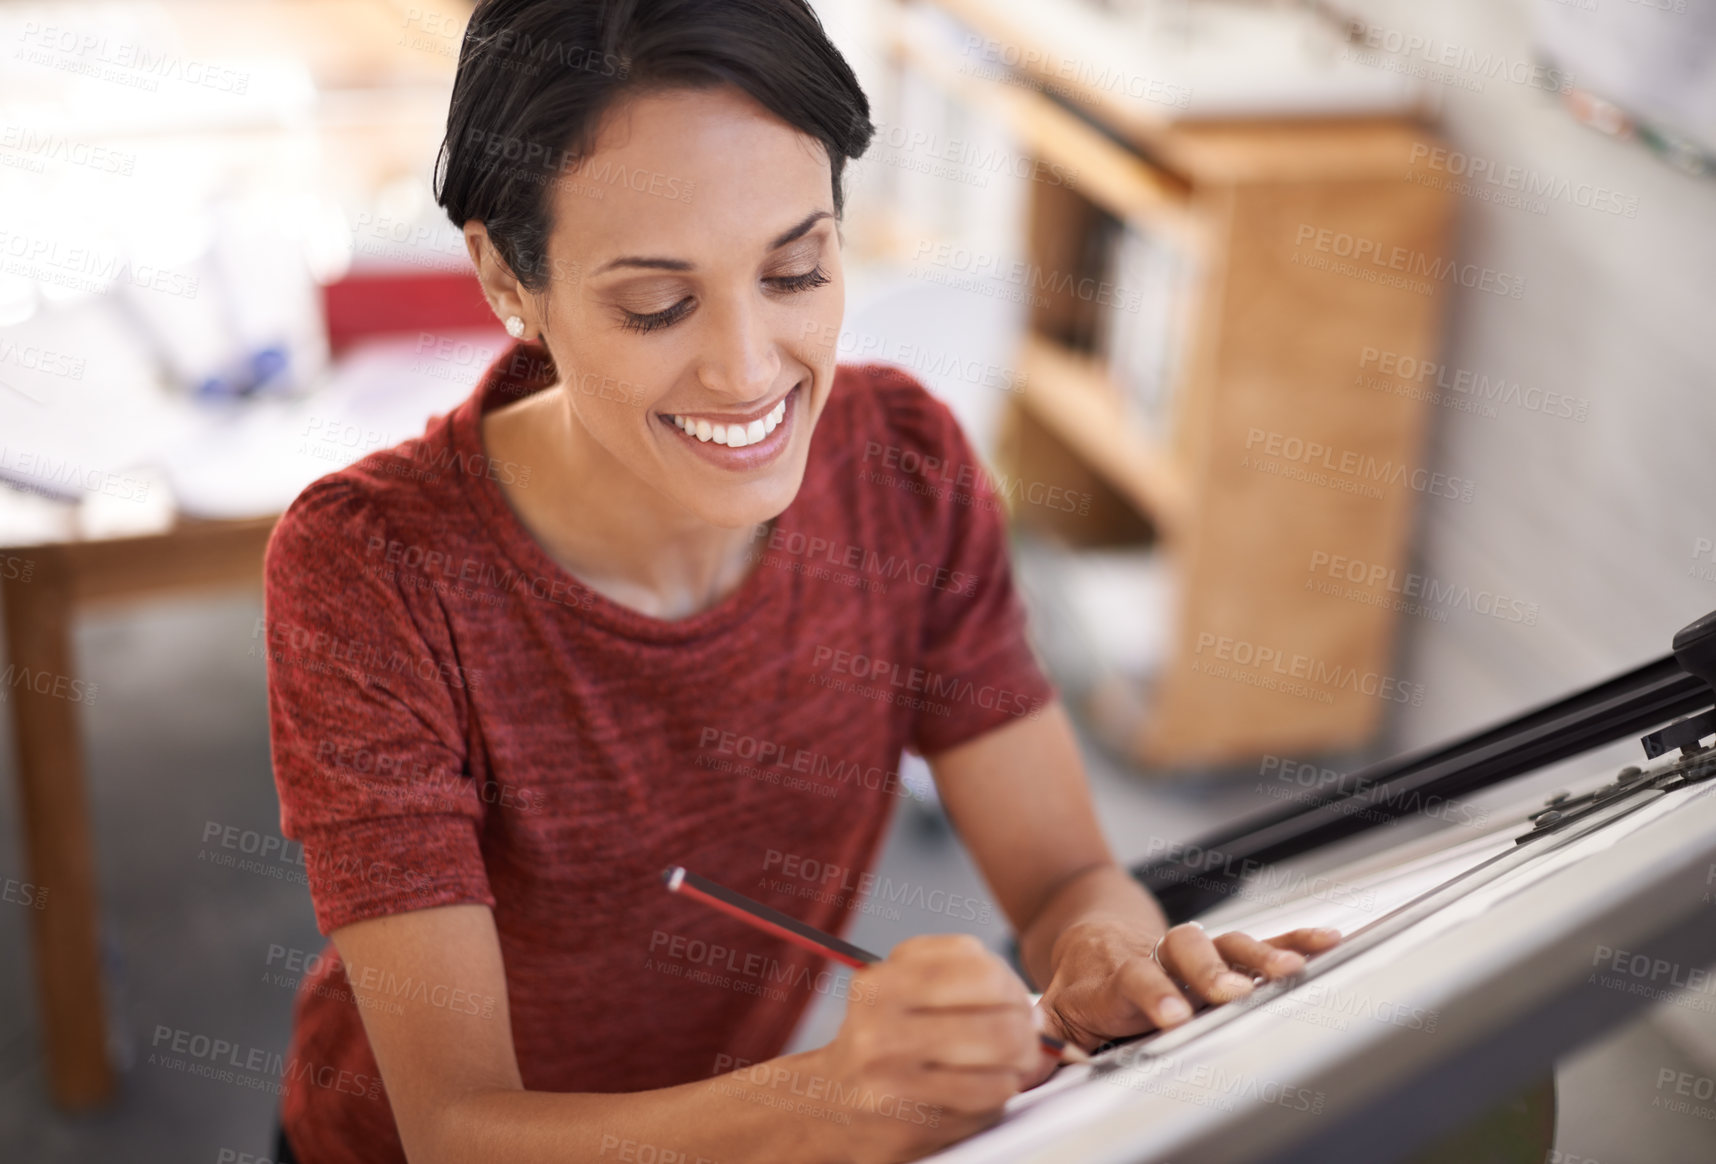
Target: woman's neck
[(605, 525)]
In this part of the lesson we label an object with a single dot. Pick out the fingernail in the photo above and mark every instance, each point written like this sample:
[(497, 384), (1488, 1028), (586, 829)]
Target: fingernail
[(1328, 932), (1288, 959), (1174, 1010), (1233, 983)]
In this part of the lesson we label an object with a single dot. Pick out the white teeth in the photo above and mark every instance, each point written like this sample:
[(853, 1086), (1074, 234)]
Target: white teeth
[(734, 436)]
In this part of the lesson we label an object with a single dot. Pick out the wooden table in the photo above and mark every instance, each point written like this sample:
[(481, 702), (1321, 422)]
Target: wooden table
[(64, 578)]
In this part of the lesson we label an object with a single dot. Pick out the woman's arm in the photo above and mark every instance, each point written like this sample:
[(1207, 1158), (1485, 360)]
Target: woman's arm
[(935, 1040), (1086, 928)]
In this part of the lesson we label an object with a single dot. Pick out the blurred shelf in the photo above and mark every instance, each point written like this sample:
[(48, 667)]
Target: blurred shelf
[(1267, 351), (1073, 52), (1072, 396), (1114, 177)]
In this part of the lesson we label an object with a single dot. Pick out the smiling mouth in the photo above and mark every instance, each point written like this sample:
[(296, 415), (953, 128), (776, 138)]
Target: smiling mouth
[(736, 434), (762, 433)]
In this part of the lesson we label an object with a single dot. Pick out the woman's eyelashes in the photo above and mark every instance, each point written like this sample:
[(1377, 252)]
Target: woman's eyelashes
[(632, 321), (790, 284)]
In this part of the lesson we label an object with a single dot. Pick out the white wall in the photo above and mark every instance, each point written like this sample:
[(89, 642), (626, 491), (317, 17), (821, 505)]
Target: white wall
[(1595, 521)]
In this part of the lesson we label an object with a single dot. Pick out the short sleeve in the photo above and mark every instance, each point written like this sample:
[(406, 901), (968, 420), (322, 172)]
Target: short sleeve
[(980, 671), (366, 714)]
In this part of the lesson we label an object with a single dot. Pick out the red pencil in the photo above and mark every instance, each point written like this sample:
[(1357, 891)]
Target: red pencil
[(754, 913)]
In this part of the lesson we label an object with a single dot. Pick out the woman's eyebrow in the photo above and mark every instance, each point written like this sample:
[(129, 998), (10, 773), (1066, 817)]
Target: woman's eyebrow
[(659, 264)]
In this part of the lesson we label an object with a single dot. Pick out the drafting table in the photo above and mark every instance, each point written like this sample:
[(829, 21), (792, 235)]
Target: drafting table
[(1479, 954)]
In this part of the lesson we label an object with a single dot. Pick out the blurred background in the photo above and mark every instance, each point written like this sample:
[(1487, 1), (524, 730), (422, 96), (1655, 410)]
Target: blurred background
[(1370, 335)]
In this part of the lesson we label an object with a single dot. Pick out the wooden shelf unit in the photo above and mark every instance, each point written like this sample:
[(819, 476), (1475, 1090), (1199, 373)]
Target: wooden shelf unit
[(1069, 394), (1273, 360)]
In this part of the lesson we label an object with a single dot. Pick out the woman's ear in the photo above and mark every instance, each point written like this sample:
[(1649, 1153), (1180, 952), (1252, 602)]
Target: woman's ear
[(500, 286)]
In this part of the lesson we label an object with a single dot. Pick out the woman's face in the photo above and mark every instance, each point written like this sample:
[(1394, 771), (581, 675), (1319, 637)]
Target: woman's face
[(695, 292)]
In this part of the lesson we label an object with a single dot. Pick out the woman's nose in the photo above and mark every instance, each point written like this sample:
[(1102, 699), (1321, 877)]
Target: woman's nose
[(743, 362)]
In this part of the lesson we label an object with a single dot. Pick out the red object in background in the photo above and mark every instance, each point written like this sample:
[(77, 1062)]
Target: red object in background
[(368, 303)]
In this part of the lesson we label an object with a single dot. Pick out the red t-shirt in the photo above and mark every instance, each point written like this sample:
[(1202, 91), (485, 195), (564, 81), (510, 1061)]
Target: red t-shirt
[(455, 718)]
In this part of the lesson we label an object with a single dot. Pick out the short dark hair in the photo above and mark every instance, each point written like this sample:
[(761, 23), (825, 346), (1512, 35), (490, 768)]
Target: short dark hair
[(535, 77)]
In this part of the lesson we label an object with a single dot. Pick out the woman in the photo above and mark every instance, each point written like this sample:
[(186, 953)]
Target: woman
[(637, 603)]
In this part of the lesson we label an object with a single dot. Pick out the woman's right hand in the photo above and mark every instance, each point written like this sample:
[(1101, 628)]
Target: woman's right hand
[(936, 1038)]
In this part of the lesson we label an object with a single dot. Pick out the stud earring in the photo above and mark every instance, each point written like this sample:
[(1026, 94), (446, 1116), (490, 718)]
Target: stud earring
[(515, 327)]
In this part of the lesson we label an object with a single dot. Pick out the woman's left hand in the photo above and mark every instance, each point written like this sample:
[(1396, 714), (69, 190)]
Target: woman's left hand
[(1112, 980)]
